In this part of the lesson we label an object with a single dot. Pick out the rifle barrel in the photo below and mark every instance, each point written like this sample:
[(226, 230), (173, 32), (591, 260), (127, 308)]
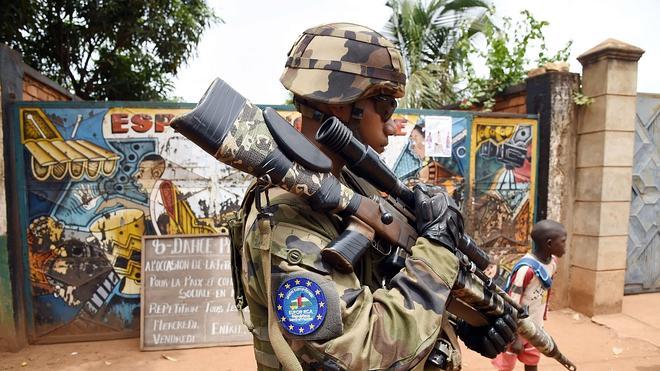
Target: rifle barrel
[(471, 287)]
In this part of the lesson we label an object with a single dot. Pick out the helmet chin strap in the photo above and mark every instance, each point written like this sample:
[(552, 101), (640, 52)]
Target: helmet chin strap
[(310, 112), (357, 114)]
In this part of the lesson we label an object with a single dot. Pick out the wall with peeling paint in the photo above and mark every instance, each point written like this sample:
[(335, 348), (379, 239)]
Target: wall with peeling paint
[(551, 96), (95, 179)]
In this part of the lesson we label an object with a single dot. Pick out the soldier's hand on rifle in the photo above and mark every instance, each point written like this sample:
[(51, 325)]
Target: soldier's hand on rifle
[(517, 346), (489, 340), (438, 217)]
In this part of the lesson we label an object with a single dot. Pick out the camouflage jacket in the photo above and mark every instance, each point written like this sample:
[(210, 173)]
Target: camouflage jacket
[(364, 325)]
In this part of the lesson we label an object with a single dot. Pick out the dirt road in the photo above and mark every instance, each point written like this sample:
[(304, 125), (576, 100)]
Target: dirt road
[(589, 345)]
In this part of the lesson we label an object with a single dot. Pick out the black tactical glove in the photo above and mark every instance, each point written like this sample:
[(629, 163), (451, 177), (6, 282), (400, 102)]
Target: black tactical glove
[(437, 217), (490, 340)]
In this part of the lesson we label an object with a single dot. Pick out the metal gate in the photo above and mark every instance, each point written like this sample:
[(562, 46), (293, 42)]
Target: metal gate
[(643, 270)]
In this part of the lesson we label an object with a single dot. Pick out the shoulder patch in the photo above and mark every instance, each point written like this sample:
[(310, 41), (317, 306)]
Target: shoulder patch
[(301, 306), (312, 289)]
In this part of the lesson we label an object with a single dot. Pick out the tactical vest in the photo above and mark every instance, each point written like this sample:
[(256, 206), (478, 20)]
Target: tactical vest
[(367, 273)]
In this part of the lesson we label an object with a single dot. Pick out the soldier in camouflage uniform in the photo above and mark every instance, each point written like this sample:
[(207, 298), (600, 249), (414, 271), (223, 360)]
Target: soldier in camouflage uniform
[(366, 319)]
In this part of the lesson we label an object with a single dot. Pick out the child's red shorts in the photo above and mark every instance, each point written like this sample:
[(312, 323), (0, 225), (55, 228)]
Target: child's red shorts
[(507, 361)]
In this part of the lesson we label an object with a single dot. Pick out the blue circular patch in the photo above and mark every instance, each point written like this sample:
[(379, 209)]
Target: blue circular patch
[(301, 306)]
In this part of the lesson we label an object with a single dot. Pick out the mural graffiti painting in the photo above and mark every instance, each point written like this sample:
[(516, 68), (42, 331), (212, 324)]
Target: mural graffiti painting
[(497, 155), (96, 181), (503, 169), (413, 165)]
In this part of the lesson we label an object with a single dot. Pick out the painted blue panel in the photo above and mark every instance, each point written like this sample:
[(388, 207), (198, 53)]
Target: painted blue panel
[(412, 164)]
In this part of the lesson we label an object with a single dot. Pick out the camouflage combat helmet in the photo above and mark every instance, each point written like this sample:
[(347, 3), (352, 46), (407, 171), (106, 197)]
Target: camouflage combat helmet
[(340, 63)]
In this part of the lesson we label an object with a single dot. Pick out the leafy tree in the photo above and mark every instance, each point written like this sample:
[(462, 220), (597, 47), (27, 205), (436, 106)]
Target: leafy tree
[(107, 49), (429, 35), (507, 58)]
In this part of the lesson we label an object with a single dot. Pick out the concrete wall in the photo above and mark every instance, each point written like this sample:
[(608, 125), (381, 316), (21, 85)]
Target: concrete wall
[(587, 154), (561, 174), (585, 164), (512, 100), (7, 328), (18, 81), (550, 96)]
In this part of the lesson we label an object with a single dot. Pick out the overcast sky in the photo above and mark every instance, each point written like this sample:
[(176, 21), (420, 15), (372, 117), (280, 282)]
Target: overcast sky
[(249, 49)]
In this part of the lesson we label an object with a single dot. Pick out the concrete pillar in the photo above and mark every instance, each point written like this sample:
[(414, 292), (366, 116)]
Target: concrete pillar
[(603, 179)]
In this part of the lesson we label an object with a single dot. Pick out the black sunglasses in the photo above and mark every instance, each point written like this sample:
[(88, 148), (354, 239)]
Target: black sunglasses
[(384, 106)]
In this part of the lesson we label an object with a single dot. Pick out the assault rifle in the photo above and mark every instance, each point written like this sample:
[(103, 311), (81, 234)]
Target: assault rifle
[(263, 144), (473, 286)]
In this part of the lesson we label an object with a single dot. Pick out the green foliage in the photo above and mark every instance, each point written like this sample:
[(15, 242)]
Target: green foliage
[(506, 57), (107, 49), (581, 99), (429, 35), (289, 99)]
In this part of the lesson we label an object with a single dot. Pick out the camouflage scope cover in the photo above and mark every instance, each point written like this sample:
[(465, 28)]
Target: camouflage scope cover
[(340, 63)]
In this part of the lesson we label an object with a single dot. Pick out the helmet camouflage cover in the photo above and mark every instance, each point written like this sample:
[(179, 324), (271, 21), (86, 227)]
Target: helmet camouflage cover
[(340, 63)]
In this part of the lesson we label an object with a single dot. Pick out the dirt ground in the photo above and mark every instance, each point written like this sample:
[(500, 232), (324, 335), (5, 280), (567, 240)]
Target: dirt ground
[(589, 345)]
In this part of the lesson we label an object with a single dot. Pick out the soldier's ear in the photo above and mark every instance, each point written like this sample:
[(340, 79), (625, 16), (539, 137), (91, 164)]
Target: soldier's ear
[(341, 111)]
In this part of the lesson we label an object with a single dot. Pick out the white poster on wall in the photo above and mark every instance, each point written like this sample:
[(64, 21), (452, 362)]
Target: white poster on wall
[(437, 136)]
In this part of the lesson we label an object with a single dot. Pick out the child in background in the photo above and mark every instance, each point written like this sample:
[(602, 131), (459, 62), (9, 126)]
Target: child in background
[(529, 284)]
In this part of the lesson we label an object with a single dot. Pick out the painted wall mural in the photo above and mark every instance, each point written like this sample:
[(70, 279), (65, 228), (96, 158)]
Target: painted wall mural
[(412, 165), (497, 155), (96, 181), (503, 186), (95, 178)]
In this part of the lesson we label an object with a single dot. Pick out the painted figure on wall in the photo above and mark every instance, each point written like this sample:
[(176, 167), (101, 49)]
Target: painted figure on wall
[(167, 211)]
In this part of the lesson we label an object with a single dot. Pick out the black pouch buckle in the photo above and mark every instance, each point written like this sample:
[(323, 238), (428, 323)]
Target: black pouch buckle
[(440, 354), (262, 187), (236, 238)]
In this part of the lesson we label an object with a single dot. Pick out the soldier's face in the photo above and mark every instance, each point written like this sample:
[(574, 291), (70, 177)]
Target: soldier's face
[(373, 129)]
